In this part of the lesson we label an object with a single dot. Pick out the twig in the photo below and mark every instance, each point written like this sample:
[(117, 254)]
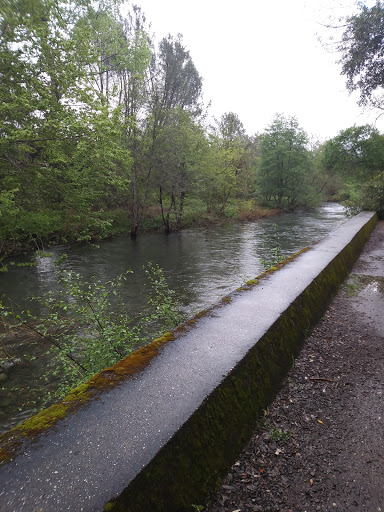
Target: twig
[(322, 378)]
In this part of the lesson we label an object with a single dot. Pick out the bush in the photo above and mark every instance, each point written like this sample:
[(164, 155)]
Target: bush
[(89, 327)]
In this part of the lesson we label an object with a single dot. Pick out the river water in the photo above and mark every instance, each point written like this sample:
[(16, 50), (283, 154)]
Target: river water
[(200, 264)]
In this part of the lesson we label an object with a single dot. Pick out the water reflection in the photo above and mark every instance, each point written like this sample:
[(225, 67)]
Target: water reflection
[(201, 264)]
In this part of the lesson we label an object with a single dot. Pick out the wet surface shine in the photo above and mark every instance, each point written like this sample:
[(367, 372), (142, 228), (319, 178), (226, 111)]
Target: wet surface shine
[(201, 264), (366, 287), (91, 456)]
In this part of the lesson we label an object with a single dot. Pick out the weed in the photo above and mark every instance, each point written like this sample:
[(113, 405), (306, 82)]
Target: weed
[(88, 325), (278, 434), (352, 286), (275, 255)]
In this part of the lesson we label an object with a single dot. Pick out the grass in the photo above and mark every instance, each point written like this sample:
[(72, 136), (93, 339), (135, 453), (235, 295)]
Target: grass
[(352, 286), (280, 435)]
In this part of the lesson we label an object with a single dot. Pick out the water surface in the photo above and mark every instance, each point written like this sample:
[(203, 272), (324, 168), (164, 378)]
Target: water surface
[(201, 265)]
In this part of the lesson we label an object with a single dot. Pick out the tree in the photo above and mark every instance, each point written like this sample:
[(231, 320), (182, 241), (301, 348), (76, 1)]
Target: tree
[(362, 49), (234, 143), (177, 160), (357, 155), (66, 113), (226, 173), (174, 86), (175, 81), (284, 174)]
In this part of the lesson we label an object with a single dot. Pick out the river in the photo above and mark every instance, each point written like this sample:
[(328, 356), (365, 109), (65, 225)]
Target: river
[(200, 264)]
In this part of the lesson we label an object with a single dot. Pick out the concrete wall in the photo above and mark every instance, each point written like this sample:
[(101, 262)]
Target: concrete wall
[(185, 405)]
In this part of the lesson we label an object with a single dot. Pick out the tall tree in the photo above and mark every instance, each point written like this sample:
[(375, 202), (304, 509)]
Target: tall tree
[(234, 143), (285, 165), (175, 81), (53, 120), (174, 85), (355, 153), (362, 49), (178, 156)]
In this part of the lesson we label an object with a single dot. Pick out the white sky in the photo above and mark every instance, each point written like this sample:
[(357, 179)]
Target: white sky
[(259, 57)]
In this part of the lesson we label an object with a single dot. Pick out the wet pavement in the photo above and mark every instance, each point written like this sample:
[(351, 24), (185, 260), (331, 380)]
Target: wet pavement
[(90, 457), (320, 446)]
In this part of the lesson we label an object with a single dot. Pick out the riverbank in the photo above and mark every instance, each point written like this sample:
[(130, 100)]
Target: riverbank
[(63, 229), (320, 445), (201, 265), (175, 414)]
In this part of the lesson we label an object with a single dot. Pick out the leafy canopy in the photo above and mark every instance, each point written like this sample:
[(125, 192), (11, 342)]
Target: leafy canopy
[(285, 164), (362, 49)]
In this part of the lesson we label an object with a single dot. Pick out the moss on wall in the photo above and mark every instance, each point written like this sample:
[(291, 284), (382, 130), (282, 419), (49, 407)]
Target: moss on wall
[(29, 430), (191, 465)]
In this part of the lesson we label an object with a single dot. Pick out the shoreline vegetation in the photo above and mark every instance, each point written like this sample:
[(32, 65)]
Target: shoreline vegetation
[(116, 223), (104, 131)]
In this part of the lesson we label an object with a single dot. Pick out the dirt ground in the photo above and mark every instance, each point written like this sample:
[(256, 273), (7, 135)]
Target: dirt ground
[(320, 445)]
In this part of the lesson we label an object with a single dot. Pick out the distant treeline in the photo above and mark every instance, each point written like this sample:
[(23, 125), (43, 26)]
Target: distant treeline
[(104, 132)]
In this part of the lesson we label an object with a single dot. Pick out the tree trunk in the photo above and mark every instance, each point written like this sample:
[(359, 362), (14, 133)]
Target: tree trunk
[(179, 210)]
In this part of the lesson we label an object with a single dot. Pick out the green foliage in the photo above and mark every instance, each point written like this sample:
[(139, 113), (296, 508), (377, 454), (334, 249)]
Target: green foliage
[(357, 155), (88, 326), (178, 83), (275, 255), (177, 155), (285, 169), (279, 435), (63, 120), (162, 300), (372, 195), (101, 132), (226, 171), (362, 49)]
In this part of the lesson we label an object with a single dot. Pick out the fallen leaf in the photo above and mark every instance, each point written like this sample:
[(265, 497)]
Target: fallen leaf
[(319, 421), (311, 482), (261, 470)]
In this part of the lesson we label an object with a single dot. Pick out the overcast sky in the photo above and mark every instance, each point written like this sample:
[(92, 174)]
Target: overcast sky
[(261, 57)]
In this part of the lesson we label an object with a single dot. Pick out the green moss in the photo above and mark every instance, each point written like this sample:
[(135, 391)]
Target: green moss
[(105, 380), (192, 463)]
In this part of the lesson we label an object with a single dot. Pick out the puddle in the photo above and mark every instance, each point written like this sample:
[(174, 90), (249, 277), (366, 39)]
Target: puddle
[(359, 284), (367, 293)]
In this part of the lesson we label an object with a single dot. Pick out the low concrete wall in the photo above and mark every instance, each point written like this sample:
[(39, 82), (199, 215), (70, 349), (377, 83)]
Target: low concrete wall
[(162, 439)]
